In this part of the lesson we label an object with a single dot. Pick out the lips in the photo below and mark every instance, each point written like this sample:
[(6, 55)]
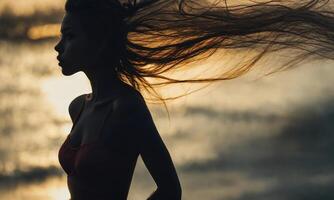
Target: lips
[(60, 60)]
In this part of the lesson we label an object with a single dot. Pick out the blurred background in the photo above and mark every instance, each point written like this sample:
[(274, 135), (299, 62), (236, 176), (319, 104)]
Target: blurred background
[(268, 138)]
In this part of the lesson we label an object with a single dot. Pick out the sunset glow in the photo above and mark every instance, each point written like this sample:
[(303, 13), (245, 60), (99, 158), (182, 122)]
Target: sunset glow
[(44, 31)]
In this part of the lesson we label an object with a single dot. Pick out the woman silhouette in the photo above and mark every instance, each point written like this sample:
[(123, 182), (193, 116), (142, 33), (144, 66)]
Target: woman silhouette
[(118, 45)]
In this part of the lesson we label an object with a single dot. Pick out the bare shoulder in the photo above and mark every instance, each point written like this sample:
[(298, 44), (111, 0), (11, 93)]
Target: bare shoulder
[(128, 102), (75, 106)]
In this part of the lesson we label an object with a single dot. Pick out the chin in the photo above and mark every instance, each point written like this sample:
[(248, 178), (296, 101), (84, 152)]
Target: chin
[(68, 72)]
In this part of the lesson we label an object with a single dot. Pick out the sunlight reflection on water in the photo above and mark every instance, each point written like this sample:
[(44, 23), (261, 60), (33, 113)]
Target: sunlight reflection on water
[(51, 189), (266, 140), (234, 140), (61, 90)]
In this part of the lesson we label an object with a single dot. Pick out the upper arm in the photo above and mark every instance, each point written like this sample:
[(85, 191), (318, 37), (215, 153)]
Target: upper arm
[(75, 106), (150, 145)]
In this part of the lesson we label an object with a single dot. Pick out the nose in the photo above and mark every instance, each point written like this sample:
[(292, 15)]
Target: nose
[(57, 47)]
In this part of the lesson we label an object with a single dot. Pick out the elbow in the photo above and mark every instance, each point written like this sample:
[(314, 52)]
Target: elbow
[(175, 193), (178, 192), (170, 193)]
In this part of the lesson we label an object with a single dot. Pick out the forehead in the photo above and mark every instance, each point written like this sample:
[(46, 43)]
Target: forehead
[(70, 22)]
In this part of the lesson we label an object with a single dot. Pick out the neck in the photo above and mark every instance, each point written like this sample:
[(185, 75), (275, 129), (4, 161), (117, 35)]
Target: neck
[(103, 83)]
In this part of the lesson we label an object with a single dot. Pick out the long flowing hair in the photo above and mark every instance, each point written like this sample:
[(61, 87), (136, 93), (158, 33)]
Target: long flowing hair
[(155, 37)]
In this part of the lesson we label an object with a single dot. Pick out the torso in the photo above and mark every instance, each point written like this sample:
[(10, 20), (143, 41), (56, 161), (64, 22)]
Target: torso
[(91, 120), (97, 156), (89, 124)]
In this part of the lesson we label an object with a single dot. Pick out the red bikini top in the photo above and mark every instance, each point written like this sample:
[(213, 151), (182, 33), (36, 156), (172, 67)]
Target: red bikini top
[(87, 159), (96, 168)]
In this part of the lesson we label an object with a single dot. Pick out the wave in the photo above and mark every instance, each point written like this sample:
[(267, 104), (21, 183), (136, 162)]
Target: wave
[(16, 27), (295, 163), (232, 115), (28, 176)]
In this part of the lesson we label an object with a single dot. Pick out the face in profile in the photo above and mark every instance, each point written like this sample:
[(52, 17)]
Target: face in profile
[(77, 52)]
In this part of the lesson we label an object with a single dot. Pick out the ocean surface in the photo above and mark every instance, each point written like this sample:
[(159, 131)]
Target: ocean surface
[(268, 138)]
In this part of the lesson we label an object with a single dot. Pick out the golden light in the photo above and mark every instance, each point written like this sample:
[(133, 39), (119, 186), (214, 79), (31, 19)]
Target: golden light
[(44, 31), (60, 193)]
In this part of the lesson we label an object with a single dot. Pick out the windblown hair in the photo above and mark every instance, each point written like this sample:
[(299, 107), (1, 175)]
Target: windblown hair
[(158, 36)]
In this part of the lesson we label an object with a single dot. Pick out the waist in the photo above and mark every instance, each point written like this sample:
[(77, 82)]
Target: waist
[(84, 189)]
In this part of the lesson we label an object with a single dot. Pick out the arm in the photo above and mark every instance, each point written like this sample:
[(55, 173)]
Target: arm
[(158, 161), (152, 149)]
